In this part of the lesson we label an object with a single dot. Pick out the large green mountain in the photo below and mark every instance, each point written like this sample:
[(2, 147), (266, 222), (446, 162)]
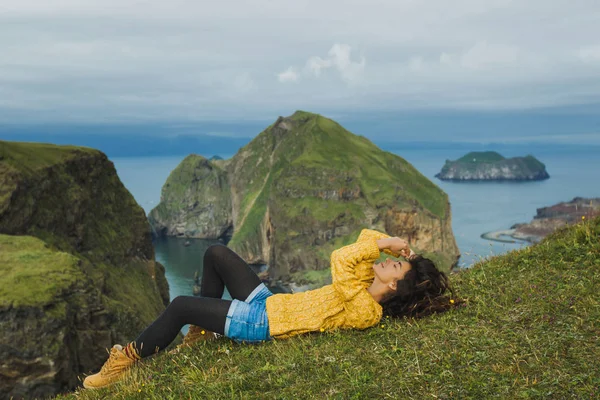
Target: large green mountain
[(302, 188), (77, 268)]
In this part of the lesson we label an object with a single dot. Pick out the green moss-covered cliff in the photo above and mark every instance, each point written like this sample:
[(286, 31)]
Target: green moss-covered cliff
[(302, 188), (195, 201), (492, 166), (77, 268)]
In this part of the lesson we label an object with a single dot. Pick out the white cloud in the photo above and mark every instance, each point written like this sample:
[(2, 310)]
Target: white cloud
[(316, 64), (289, 75), (339, 58)]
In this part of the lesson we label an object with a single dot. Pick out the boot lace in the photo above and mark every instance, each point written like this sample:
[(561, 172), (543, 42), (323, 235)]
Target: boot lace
[(111, 359)]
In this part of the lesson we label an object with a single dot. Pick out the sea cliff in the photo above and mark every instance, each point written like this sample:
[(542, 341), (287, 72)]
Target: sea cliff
[(77, 267), (549, 219)]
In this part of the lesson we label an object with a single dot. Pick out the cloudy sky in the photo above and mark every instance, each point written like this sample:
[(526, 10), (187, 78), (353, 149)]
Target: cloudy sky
[(123, 61)]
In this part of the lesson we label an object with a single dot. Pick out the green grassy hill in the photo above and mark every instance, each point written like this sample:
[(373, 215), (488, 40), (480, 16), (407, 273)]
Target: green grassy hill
[(308, 176), (529, 329)]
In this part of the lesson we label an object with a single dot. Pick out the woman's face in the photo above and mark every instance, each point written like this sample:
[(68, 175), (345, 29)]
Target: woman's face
[(390, 271)]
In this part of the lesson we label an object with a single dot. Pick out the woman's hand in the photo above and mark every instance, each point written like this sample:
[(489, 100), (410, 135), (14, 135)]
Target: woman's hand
[(400, 246), (409, 255)]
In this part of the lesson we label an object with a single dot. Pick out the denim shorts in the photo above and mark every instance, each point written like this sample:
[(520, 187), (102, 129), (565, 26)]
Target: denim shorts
[(247, 320)]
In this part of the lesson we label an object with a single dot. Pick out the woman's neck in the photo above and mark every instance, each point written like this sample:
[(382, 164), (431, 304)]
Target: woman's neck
[(379, 291)]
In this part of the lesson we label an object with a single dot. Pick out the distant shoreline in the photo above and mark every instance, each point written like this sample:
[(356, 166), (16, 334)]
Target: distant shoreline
[(500, 236)]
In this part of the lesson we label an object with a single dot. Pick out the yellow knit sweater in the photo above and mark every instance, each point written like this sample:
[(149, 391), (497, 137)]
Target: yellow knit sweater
[(344, 304)]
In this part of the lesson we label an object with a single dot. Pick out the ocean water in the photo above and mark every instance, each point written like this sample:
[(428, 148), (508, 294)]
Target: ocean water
[(476, 207)]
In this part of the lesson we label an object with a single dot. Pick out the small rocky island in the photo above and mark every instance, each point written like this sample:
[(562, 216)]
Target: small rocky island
[(492, 166), (549, 219)]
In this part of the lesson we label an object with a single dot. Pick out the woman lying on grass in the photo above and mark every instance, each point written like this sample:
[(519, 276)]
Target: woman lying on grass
[(360, 293)]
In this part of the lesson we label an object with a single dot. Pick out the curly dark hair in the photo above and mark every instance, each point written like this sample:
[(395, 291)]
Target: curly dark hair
[(421, 292)]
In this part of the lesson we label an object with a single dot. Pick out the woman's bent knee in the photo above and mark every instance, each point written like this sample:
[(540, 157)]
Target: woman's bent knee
[(178, 301), (214, 250)]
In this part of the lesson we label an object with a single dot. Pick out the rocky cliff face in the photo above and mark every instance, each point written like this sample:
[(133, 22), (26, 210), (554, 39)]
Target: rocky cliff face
[(549, 219), (195, 201), (491, 166), (77, 267), (302, 188)]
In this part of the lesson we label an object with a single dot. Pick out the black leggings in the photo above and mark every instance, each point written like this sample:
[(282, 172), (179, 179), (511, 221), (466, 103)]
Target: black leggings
[(222, 267)]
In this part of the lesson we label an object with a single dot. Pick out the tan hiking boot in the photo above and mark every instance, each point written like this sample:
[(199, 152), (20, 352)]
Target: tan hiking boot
[(195, 334), (114, 369)]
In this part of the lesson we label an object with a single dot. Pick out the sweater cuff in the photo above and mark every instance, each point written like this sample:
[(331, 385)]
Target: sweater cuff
[(373, 251)]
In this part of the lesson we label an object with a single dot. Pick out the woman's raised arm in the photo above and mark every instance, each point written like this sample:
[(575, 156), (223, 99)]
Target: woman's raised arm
[(367, 234), (344, 261)]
